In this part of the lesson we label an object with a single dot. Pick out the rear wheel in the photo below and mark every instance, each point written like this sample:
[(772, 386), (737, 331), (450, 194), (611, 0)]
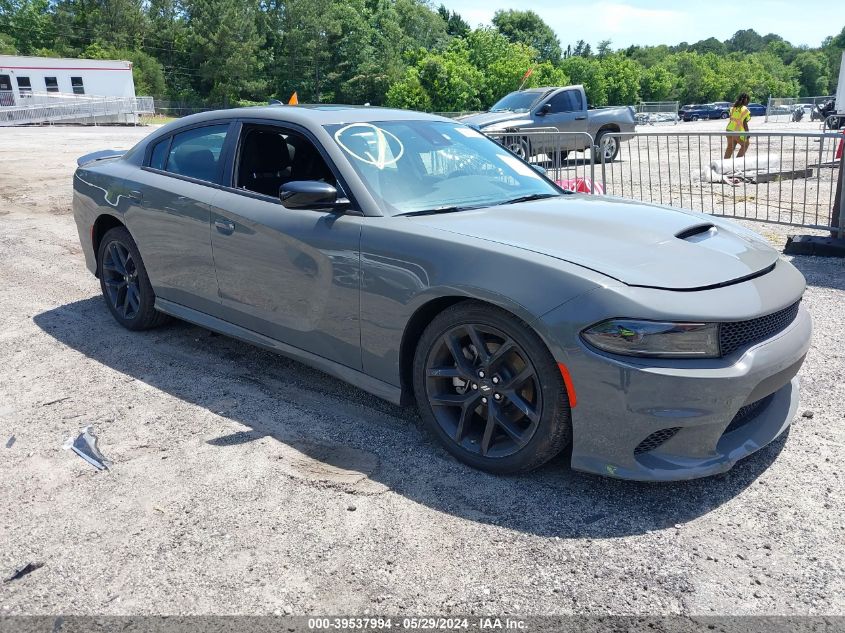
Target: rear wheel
[(694, 117), (608, 147), (489, 390), (124, 282), (723, 115)]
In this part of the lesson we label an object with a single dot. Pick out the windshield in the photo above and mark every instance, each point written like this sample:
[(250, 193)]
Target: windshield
[(430, 166), (516, 102)]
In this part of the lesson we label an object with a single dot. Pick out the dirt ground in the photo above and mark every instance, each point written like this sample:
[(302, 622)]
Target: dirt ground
[(245, 483)]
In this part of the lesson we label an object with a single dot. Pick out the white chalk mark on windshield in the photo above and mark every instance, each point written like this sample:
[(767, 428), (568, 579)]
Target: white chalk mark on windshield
[(370, 144)]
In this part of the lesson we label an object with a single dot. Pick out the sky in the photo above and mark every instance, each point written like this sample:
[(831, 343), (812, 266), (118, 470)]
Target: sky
[(650, 22)]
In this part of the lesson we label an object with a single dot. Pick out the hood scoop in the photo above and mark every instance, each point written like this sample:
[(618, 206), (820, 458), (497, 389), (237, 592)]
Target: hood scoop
[(698, 232)]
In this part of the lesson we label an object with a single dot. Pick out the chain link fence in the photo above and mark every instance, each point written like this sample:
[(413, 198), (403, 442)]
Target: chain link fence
[(786, 109)]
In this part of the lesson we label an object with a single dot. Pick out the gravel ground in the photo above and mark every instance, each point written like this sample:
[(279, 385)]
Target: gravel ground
[(245, 483)]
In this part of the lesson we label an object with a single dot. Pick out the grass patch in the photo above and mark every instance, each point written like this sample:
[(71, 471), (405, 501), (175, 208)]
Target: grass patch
[(155, 119)]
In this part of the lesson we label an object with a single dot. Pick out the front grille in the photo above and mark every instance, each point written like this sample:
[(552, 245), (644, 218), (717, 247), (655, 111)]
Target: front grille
[(655, 439), (736, 334), (746, 414)]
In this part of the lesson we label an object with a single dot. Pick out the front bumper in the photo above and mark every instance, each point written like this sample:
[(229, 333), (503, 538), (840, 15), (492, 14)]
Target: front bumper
[(700, 402), (680, 411)]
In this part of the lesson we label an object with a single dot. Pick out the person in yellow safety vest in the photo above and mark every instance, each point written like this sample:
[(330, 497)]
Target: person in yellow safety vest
[(739, 115)]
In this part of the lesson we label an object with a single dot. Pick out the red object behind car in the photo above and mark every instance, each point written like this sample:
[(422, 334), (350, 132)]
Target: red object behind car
[(580, 185)]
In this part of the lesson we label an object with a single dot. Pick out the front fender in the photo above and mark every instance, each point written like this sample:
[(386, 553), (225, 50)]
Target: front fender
[(406, 265)]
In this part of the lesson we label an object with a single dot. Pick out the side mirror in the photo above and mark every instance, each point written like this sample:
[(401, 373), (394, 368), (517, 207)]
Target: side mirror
[(310, 194), (544, 109)]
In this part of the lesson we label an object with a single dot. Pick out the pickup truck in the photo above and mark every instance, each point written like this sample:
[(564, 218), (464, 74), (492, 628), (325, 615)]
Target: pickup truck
[(563, 113)]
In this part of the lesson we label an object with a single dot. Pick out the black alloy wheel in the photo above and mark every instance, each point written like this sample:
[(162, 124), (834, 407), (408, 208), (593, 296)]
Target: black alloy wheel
[(490, 391), (120, 278), (124, 282)]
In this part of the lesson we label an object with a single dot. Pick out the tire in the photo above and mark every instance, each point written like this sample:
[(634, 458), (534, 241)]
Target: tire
[(610, 146), (723, 115), (521, 147), (514, 431), (124, 282), (694, 117)]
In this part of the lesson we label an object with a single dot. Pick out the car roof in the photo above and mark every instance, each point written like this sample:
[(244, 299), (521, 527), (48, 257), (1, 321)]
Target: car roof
[(313, 114)]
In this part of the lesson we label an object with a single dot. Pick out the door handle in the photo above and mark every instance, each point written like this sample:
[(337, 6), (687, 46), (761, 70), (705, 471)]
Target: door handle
[(581, 118), (137, 196), (224, 226)]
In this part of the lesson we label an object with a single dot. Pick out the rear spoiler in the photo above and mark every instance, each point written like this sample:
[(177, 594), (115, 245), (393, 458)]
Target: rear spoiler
[(101, 155)]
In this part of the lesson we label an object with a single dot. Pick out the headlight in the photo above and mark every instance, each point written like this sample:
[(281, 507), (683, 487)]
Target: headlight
[(655, 338)]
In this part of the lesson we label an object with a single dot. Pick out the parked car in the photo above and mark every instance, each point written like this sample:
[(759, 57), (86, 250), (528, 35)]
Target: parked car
[(415, 258), (758, 109), (703, 111), (564, 110)]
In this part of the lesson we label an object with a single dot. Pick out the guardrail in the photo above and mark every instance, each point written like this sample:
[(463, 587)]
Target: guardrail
[(59, 107), (783, 177)]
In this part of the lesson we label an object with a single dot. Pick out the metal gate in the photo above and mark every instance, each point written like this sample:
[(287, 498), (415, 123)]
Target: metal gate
[(782, 177)]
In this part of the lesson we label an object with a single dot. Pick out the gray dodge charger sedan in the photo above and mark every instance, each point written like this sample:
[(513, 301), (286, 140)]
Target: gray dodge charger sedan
[(413, 257)]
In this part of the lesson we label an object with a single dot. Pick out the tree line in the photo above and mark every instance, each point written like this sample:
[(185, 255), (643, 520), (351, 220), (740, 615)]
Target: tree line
[(402, 53)]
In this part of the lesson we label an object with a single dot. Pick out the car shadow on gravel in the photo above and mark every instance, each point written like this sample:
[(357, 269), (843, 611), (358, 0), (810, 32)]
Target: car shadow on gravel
[(342, 427)]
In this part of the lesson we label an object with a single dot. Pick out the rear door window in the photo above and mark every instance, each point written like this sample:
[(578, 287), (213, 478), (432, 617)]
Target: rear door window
[(196, 153)]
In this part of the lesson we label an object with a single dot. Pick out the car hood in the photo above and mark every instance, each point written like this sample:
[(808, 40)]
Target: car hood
[(489, 118), (637, 244)]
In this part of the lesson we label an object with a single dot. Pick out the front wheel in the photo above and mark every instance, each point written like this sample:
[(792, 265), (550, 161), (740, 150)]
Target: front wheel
[(124, 282), (489, 390), (724, 115), (519, 146)]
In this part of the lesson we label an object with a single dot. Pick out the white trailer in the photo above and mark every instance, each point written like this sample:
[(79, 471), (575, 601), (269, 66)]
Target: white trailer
[(22, 78)]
